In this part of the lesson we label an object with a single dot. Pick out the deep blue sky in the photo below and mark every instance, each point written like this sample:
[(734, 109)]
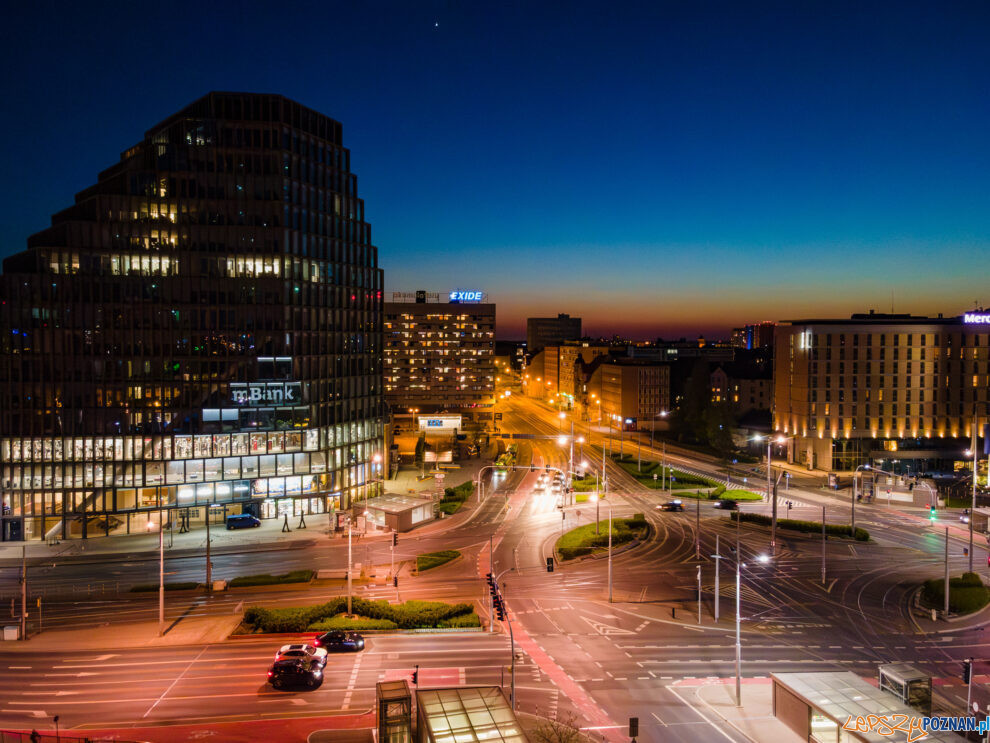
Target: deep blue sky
[(656, 168)]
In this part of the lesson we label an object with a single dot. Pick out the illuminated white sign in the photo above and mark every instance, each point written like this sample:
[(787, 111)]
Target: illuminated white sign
[(462, 296), (439, 422), (266, 393), (972, 318)]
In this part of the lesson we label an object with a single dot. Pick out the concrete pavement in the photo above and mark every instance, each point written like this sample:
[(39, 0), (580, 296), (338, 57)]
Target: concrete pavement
[(754, 719)]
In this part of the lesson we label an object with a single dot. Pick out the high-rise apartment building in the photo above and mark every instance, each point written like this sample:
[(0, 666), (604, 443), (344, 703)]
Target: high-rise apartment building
[(440, 355), (897, 391), (551, 331), (200, 332)]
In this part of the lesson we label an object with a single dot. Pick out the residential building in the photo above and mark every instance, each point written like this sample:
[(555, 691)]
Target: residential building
[(199, 333), (551, 331), (897, 391), (440, 354)]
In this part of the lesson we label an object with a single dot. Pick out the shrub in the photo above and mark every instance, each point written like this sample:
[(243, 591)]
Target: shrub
[(435, 559), (265, 579), (183, 586), (342, 622), (410, 615), (813, 527), (966, 593), (449, 507), (460, 493)]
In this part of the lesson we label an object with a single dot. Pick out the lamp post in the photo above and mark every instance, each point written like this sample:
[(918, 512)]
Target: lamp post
[(161, 573), (771, 487), (972, 510), (610, 553), (739, 565)]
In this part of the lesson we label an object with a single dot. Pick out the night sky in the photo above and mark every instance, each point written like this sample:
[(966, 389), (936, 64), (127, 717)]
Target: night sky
[(663, 168)]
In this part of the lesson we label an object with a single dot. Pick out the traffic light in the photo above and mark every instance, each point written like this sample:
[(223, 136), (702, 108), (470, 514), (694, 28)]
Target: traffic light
[(395, 581), (549, 564), (633, 727), (500, 610), (931, 512), (415, 676), (967, 670), (395, 539)]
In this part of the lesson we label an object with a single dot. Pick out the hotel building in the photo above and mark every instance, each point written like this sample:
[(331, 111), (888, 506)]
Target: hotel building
[(200, 332), (440, 355), (893, 390)]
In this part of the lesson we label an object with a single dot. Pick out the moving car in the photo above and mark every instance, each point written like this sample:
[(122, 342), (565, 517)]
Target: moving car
[(242, 521), (340, 640), (303, 651), (295, 672), (674, 505), (727, 504)]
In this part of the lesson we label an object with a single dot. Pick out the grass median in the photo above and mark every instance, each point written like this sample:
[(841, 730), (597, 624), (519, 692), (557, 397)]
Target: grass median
[(366, 615), (584, 541), (429, 560), (808, 527), (266, 579)]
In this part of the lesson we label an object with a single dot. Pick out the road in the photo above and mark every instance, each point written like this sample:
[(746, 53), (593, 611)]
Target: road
[(577, 653)]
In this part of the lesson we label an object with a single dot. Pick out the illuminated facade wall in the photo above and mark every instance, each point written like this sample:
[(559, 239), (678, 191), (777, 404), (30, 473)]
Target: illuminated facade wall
[(202, 326), (884, 387), (440, 356)]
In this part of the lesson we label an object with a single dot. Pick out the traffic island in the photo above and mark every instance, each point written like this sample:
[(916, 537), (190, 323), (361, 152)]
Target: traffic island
[(843, 531), (967, 594), (430, 560), (585, 541), (410, 615)]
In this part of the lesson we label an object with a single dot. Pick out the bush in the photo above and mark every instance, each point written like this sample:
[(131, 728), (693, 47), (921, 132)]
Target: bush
[(813, 527), (342, 622), (435, 559), (460, 493), (183, 586), (966, 593), (296, 576), (449, 507), (410, 615)]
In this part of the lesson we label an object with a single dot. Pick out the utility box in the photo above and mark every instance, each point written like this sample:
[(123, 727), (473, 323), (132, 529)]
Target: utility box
[(219, 585), (12, 632)]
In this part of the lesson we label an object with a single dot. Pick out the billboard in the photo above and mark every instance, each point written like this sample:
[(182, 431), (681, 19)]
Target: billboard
[(439, 423)]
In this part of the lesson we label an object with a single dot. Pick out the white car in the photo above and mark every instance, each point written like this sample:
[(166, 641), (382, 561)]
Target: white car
[(303, 652)]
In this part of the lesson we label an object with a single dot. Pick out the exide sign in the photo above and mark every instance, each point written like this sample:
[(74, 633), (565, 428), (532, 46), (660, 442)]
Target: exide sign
[(462, 296)]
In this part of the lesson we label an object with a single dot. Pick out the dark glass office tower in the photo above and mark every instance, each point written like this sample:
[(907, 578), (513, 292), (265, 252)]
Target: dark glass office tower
[(200, 332)]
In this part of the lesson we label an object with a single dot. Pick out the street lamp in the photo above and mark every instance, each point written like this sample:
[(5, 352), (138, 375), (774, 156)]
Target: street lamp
[(772, 494), (739, 564)]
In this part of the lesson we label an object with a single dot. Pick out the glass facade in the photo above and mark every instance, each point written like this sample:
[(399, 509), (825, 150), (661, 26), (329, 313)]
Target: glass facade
[(202, 326)]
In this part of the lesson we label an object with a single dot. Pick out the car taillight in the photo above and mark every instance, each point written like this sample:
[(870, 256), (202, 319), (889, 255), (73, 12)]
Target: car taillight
[(316, 643), (270, 674)]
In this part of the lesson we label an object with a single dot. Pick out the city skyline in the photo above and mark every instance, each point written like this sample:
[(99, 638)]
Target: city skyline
[(656, 170)]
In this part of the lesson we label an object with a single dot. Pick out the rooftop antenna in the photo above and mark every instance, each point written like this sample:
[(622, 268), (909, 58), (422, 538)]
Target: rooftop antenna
[(891, 301)]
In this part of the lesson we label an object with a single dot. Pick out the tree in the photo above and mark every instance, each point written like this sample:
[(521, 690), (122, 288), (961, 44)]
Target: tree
[(690, 416), (557, 731), (719, 423)]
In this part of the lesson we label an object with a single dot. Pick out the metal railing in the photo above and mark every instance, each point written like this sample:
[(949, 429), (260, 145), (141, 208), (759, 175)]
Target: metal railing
[(25, 736)]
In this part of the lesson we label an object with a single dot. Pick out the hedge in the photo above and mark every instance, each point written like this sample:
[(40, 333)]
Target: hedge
[(583, 540), (460, 493), (410, 615), (966, 593), (265, 579), (435, 559), (812, 527), (357, 623), (183, 586)]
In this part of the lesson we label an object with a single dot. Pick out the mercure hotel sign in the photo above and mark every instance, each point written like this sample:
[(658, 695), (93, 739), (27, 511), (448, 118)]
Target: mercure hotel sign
[(976, 318)]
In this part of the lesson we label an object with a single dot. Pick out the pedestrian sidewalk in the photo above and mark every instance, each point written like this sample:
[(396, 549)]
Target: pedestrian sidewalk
[(268, 536), (755, 720), (181, 631)]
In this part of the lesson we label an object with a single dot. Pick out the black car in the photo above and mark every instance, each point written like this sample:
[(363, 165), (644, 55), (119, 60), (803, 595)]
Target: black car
[(674, 505), (295, 672), (727, 504), (339, 640)]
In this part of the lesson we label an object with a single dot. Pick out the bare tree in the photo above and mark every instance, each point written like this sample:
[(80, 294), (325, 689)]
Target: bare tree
[(558, 731)]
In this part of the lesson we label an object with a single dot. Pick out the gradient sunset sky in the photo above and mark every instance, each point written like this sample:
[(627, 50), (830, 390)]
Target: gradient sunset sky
[(661, 168)]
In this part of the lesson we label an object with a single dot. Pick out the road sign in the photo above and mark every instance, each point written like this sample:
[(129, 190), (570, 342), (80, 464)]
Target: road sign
[(498, 416)]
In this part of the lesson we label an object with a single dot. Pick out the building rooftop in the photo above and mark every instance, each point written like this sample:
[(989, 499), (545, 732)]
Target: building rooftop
[(468, 714), (395, 502)]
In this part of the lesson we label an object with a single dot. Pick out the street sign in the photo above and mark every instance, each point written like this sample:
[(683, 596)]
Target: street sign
[(498, 416)]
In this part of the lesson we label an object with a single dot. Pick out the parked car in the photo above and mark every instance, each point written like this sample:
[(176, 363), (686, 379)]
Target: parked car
[(727, 504), (295, 672), (674, 505), (340, 640), (303, 651), (242, 521)]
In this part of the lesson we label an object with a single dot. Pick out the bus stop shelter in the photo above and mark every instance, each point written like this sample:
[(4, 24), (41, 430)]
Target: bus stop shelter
[(817, 705), (907, 683)]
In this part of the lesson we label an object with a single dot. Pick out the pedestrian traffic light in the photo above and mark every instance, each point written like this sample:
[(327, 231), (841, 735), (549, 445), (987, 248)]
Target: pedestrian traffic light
[(395, 581), (395, 539), (549, 564), (967, 670)]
